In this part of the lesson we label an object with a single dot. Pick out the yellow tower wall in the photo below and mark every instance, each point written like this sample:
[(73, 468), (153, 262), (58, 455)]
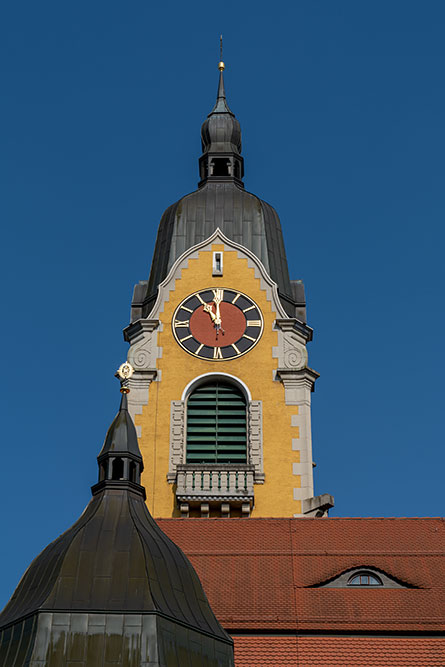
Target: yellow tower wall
[(256, 369)]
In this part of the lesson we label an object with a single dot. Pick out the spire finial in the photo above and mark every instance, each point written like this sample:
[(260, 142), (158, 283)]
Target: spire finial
[(124, 373), (221, 65)]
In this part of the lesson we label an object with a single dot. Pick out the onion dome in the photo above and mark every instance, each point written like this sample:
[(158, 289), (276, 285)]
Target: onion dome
[(221, 132), (113, 588), (221, 201)]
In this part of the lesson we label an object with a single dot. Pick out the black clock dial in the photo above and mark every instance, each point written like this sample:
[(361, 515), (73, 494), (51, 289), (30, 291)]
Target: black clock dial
[(217, 324)]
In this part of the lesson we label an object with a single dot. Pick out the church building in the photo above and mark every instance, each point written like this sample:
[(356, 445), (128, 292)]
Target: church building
[(221, 399), (218, 342), (213, 440)]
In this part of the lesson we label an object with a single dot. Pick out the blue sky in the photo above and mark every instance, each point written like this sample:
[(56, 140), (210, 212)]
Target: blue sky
[(342, 111)]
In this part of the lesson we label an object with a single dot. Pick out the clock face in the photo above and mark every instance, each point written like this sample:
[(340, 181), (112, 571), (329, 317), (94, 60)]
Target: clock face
[(217, 324)]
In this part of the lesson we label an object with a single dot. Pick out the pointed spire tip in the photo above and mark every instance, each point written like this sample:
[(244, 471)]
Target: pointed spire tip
[(221, 65)]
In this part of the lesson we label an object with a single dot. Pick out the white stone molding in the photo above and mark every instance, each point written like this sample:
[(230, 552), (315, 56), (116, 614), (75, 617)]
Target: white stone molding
[(193, 384), (266, 282), (256, 439), (142, 336), (291, 349), (142, 355), (298, 385), (139, 385), (178, 427), (318, 506), (177, 439)]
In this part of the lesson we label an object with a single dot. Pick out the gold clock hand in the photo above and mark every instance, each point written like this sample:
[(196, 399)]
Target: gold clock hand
[(218, 314), (217, 298), (208, 309)]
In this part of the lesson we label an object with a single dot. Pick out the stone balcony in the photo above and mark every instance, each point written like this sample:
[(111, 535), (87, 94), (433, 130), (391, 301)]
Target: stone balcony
[(218, 487)]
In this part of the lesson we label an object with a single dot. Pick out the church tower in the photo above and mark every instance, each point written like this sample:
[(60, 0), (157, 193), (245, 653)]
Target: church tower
[(221, 393)]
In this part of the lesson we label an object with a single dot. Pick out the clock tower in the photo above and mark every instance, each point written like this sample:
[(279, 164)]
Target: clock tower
[(221, 392)]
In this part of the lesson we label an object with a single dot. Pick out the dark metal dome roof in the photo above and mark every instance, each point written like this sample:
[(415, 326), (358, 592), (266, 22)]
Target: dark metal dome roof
[(221, 132), (113, 560), (221, 201)]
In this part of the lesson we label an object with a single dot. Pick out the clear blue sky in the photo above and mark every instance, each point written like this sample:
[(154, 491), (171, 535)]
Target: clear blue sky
[(342, 110)]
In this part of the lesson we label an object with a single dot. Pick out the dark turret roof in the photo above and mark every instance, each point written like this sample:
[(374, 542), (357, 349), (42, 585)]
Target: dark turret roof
[(220, 201), (122, 436), (113, 560)]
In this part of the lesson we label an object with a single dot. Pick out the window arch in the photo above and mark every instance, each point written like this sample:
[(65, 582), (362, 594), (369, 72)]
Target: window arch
[(364, 579), (216, 424)]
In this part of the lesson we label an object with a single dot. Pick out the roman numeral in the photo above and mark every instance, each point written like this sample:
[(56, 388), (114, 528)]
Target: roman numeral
[(253, 323), (179, 323), (189, 310), (198, 296), (249, 308), (199, 348), (235, 348), (236, 298), (248, 337), (218, 294), (187, 337), (217, 354)]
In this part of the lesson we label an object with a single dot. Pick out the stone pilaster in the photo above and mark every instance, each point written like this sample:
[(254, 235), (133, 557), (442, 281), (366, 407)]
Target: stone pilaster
[(298, 385)]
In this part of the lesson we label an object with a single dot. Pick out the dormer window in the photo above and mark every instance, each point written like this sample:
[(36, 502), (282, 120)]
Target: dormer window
[(364, 579)]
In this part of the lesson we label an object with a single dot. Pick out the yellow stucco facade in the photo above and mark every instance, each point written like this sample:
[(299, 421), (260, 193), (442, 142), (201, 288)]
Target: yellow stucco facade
[(176, 369)]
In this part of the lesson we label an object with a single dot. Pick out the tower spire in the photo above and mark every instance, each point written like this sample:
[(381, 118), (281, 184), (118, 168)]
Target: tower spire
[(221, 140), (221, 105), (120, 461)]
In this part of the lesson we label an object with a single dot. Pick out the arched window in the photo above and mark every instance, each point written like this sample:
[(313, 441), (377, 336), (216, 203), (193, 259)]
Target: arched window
[(217, 424), (364, 579)]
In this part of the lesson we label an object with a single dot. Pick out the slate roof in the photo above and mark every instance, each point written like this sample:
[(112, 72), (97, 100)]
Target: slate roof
[(263, 574), (221, 201), (113, 562)]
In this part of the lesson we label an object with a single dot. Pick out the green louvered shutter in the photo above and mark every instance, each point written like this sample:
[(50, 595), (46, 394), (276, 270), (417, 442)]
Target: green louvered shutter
[(216, 424)]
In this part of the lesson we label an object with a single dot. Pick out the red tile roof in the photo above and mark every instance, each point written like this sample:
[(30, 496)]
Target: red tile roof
[(339, 652), (259, 574)]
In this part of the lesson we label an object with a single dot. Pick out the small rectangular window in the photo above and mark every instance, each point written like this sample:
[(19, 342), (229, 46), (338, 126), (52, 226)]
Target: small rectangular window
[(217, 263)]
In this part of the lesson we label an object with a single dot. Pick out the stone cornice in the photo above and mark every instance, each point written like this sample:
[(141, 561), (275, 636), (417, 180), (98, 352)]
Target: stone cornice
[(294, 325), (137, 329), (300, 376)]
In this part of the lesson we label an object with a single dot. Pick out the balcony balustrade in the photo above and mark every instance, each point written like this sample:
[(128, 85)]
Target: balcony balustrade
[(218, 486)]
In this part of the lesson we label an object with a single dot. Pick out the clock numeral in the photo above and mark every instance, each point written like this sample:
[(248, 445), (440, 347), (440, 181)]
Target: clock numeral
[(218, 294), (253, 323), (179, 323), (217, 353), (189, 310), (235, 348), (236, 298), (199, 348), (198, 296), (249, 308), (186, 338), (248, 337)]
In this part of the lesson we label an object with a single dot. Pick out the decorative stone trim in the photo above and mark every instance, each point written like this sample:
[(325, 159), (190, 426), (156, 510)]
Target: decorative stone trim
[(255, 441), (139, 385), (291, 349), (318, 506), (142, 355), (266, 282), (298, 385), (143, 350), (178, 439)]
